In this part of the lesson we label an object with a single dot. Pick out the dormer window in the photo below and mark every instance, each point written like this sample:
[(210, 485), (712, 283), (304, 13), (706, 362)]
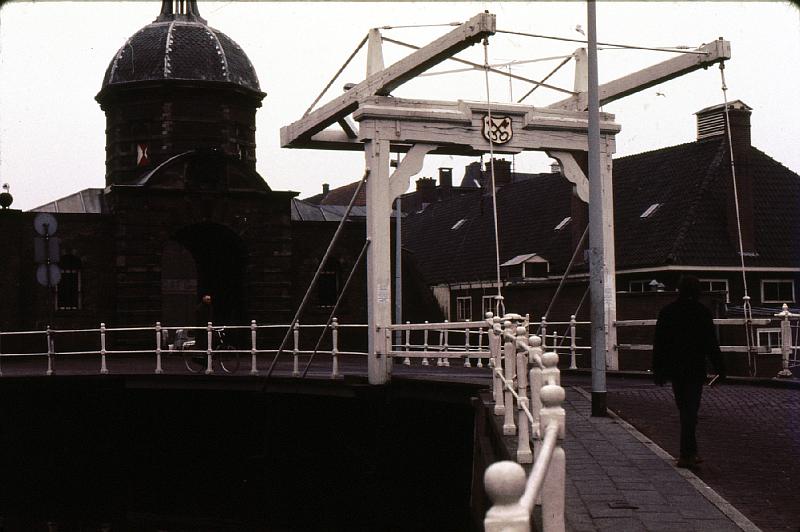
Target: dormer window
[(650, 210), (528, 266)]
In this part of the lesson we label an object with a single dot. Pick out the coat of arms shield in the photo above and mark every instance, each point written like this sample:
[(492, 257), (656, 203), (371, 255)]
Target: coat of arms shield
[(497, 129)]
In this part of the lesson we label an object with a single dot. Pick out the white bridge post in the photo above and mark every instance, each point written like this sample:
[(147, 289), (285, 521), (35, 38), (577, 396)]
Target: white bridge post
[(159, 369), (103, 367), (253, 348), (786, 339), (524, 455)]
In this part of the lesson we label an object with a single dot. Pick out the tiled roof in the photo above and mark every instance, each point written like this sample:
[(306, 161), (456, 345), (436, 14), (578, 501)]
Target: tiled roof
[(186, 49), (689, 226), (467, 252), (87, 201), (340, 196)]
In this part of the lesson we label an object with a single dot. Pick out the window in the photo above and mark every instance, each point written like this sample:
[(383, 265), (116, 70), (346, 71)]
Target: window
[(488, 304), (777, 291), (638, 286), (770, 338), (650, 210), (532, 270), (327, 287), (464, 308), (716, 285), (68, 290)]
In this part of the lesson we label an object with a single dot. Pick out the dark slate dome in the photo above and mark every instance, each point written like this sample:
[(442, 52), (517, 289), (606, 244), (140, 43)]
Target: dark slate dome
[(180, 45)]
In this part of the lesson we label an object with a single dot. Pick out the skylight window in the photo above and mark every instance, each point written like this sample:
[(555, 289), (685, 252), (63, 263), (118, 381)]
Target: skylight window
[(562, 223), (458, 224), (650, 210)]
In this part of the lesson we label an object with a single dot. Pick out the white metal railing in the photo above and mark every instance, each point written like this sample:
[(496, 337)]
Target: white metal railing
[(95, 341), (519, 359), (785, 320)]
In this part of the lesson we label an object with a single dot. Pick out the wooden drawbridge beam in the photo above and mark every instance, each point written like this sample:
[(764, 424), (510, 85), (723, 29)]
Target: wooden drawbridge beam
[(383, 82), (714, 52)]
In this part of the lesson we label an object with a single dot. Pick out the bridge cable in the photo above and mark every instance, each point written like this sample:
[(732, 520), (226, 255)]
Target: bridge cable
[(746, 308), (338, 73), (336, 306), (486, 67), (673, 49), (556, 69), (322, 264), (567, 271)]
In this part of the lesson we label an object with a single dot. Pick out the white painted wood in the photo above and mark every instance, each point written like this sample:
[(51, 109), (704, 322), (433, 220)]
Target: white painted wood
[(374, 52), (379, 271), (573, 172), (409, 166), (714, 52), (388, 79), (581, 83)]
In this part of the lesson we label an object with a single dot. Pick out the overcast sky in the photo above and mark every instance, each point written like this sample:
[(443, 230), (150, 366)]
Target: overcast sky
[(53, 56)]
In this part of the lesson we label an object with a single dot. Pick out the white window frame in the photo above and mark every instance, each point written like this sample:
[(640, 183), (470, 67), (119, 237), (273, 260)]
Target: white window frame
[(771, 281), (645, 286), (709, 288), (775, 347), (488, 304), (460, 314)]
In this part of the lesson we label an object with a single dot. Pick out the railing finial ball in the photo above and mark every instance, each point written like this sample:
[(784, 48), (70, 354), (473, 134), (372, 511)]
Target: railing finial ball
[(535, 341), (552, 395), (550, 359), (504, 482), (521, 330)]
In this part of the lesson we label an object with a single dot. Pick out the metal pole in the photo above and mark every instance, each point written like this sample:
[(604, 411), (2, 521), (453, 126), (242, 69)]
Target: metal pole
[(596, 264)]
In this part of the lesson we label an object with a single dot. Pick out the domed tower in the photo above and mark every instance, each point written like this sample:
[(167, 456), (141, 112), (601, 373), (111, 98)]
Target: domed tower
[(177, 85)]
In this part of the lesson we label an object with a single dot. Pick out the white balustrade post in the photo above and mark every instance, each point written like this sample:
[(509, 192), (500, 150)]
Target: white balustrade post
[(467, 363), (439, 362), (446, 361), (536, 383), (480, 347), (505, 483), (509, 367), (1, 353), (335, 348), (573, 364), (209, 347), (407, 361), (103, 366), (425, 345), (49, 351), (495, 362), (296, 351), (544, 332), (159, 369), (786, 339), (253, 348), (524, 455), (553, 489)]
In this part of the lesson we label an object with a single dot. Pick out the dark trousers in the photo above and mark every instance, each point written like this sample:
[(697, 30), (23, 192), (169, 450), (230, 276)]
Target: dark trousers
[(687, 397)]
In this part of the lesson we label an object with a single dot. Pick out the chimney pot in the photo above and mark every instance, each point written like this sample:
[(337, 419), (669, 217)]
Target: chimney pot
[(325, 189)]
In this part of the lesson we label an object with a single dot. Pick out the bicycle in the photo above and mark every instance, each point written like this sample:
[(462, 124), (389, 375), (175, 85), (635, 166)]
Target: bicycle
[(197, 361)]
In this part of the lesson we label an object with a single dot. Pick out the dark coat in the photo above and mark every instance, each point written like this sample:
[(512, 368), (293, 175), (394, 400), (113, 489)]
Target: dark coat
[(684, 339)]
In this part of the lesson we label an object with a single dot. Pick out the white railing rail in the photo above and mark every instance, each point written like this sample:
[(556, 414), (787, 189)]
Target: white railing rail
[(784, 320), (540, 419), (95, 341)]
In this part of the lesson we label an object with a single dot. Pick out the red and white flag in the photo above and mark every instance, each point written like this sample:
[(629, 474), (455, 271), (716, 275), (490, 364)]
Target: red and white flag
[(142, 155)]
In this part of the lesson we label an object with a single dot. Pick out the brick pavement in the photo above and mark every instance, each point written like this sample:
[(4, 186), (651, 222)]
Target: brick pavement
[(615, 481), (749, 436)]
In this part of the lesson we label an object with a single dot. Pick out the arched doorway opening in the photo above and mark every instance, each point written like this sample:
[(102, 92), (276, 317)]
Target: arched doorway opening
[(213, 257)]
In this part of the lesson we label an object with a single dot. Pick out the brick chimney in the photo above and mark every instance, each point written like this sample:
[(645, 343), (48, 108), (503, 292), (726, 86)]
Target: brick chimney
[(711, 126), (325, 189), (426, 189), (446, 177), (502, 172)]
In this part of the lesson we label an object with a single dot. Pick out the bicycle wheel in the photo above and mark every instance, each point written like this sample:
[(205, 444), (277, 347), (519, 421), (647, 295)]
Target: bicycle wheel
[(228, 359), (195, 362)]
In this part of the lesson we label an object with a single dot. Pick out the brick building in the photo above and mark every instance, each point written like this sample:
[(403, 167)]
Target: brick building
[(184, 211)]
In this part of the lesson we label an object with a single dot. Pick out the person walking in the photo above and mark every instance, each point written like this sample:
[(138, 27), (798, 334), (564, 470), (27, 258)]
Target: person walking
[(684, 340)]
